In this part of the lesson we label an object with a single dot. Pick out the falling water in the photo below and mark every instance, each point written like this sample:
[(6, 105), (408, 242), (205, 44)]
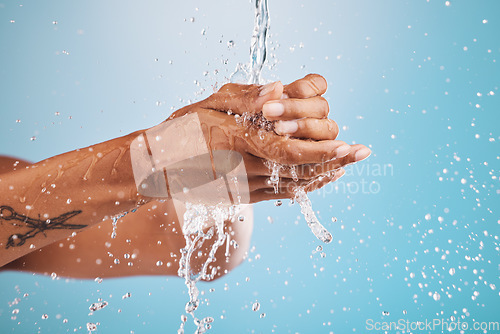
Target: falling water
[(197, 230), (258, 49), (198, 217), (258, 55), (312, 221)]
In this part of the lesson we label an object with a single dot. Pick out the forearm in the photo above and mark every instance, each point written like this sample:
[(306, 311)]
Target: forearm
[(151, 248), (56, 197)]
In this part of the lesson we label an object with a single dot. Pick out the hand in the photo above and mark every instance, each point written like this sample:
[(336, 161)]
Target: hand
[(300, 103)]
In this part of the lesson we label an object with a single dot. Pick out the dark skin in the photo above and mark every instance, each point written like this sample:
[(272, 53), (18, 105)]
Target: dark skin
[(148, 233)]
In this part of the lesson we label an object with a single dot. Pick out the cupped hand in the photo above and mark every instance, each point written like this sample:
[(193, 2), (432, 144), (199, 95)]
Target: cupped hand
[(303, 134)]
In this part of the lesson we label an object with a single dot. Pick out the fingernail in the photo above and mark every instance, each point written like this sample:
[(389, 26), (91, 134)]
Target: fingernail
[(266, 89), (286, 127), (273, 109), (362, 154), (342, 151)]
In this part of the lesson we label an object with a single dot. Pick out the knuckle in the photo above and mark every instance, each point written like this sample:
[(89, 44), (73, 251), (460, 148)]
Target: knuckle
[(325, 108), (332, 128)]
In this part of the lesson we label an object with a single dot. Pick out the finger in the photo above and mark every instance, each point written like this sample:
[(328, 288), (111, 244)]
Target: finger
[(321, 181), (309, 86), (311, 128), (241, 99), (256, 166), (263, 182), (290, 151), (358, 152), (314, 107), (288, 190)]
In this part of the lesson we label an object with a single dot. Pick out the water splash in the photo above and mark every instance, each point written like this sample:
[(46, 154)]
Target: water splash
[(312, 221), (114, 222), (202, 222), (258, 56), (275, 169), (98, 306), (197, 229)]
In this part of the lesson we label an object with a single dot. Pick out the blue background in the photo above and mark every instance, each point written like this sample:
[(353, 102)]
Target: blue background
[(417, 81)]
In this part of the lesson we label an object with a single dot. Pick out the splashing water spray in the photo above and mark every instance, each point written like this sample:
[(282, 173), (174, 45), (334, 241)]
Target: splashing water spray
[(258, 56), (198, 217), (209, 198)]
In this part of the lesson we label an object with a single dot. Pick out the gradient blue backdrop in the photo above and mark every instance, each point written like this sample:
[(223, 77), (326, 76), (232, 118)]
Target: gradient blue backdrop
[(417, 81)]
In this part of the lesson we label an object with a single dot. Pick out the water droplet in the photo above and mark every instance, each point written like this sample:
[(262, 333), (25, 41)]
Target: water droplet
[(278, 203), (33, 138), (53, 276), (98, 280), (158, 263), (98, 306), (452, 271), (262, 315), (191, 306), (127, 295), (45, 316), (436, 296), (91, 326), (255, 306)]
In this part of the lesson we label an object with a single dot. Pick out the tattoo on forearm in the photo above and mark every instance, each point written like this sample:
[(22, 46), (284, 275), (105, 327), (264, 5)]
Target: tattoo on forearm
[(35, 225)]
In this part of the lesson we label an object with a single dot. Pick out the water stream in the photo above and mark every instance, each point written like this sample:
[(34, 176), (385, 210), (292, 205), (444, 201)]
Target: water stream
[(258, 56), (203, 222)]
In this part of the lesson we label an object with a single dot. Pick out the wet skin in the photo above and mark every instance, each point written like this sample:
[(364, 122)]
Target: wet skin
[(100, 184)]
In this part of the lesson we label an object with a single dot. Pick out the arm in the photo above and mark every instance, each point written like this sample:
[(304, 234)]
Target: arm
[(99, 180), (147, 242), (50, 200)]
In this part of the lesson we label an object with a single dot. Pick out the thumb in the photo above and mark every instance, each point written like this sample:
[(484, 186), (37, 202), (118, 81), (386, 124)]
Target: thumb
[(239, 98)]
